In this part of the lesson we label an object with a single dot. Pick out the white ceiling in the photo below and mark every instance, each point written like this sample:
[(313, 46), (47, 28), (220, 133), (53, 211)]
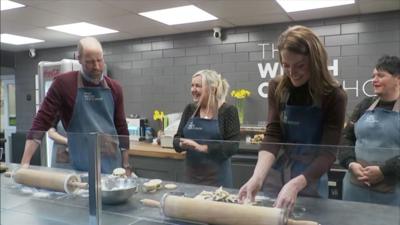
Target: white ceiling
[(122, 15)]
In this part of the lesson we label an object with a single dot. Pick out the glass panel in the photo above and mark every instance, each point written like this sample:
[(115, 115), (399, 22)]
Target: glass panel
[(192, 187)]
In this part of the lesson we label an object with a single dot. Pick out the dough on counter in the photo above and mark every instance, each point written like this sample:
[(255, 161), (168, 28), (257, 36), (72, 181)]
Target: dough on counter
[(170, 186), (219, 195), (152, 185), (119, 172)]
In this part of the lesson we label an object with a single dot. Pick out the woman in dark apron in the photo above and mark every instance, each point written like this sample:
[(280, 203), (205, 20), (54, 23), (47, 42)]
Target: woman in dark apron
[(306, 108), (208, 131), (374, 128)]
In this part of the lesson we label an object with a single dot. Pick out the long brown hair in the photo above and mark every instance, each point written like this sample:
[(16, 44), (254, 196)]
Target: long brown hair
[(301, 40)]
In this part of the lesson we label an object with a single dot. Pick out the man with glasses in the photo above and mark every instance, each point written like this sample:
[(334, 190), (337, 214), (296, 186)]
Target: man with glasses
[(88, 102)]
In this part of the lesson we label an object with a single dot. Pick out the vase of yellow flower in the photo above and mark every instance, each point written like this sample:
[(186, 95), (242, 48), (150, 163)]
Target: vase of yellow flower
[(240, 95), (159, 115)]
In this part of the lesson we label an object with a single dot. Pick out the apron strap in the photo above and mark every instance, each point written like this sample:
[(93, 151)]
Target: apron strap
[(396, 106), (374, 104)]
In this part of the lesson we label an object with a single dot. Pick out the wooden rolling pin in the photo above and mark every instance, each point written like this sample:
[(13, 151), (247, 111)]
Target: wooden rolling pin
[(52, 180), (220, 213)]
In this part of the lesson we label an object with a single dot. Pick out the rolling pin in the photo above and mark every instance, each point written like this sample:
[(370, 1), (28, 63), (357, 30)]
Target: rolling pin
[(221, 213), (51, 180)]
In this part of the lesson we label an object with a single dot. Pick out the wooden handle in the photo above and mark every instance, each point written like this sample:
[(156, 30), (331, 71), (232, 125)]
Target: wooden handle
[(77, 184), (151, 203), (301, 222)]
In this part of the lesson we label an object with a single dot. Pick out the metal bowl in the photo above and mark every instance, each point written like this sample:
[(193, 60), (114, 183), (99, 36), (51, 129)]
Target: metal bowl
[(117, 190)]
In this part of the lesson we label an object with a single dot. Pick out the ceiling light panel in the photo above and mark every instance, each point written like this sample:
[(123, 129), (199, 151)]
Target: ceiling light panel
[(82, 29), (179, 15), (17, 40), (302, 5), (5, 5)]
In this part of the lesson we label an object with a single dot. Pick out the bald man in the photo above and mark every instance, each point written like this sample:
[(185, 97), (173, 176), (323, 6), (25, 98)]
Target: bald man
[(88, 102)]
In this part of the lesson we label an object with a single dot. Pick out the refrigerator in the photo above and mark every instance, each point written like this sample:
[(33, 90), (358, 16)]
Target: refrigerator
[(46, 73)]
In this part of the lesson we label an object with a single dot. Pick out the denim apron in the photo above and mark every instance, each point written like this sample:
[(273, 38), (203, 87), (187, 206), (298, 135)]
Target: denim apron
[(93, 118), (378, 139), (60, 155), (301, 125), (201, 168)]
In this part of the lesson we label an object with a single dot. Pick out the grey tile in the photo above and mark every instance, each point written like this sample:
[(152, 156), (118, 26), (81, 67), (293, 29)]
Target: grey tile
[(379, 37), (185, 60), (333, 51), (197, 51), (131, 57), (152, 54), (265, 36), (236, 38), (194, 68), (141, 47), (235, 57), (347, 39), (153, 71), (174, 52), (326, 30), (141, 64), (158, 45), (123, 65), (222, 48), (162, 62), (359, 27), (391, 48), (248, 47), (224, 67), (259, 56), (209, 59), (247, 67), (174, 70)]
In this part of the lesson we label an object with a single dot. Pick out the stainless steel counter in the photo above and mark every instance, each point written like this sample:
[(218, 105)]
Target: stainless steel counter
[(19, 207)]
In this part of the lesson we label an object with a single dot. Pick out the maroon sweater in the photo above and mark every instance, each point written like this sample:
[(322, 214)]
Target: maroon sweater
[(60, 100)]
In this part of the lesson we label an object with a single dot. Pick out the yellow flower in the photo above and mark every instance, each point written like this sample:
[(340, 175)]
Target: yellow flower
[(158, 115), (240, 93)]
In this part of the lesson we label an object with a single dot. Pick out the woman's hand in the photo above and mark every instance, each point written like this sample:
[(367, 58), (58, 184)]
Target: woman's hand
[(372, 175), (356, 169), (190, 144), (288, 194), (249, 190)]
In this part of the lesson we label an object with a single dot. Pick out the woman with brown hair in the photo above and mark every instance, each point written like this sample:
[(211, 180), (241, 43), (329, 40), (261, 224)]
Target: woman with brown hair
[(306, 106)]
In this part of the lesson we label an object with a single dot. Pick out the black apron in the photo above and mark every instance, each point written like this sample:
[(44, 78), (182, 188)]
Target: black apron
[(201, 168)]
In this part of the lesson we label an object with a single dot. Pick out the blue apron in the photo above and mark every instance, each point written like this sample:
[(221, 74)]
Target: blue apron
[(92, 123), (301, 125), (378, 139), (56, 160), (201, 168)]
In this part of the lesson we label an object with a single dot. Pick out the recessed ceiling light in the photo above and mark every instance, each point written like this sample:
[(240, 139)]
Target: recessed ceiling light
[(82, 29), (17, 40), (179, 15), (6, 4), (301, 5)]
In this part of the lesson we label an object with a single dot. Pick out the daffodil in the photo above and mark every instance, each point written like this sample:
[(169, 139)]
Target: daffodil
[(240, 93), (158, 115)]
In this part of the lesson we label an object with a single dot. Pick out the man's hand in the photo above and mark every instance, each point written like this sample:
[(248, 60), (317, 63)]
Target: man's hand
[(288, 195), (249, 190), (190, 144)]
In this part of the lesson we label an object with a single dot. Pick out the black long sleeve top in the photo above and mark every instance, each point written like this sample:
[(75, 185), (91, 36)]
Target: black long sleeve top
[(229, 127)]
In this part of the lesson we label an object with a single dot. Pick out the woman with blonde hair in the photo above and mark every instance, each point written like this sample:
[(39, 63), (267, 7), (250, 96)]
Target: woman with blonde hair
[(208, 131), (306, 106)]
